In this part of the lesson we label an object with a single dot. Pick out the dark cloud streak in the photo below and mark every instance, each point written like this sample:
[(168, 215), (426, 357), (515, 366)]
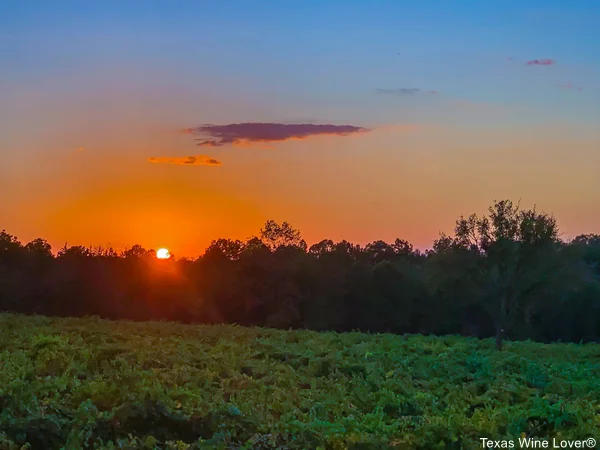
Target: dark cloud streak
[(247, 134)]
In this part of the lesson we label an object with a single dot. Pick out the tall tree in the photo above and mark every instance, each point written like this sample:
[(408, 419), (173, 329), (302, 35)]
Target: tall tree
[(521, 260), (275, 235)]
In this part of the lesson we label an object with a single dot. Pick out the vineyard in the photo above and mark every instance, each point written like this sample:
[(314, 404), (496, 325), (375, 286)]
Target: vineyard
[(91, 383)]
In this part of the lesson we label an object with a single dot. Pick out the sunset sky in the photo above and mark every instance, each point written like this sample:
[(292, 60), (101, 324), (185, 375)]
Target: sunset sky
[(172, 123)]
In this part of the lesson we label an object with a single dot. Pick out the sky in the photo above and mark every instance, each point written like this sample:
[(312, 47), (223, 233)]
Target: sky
[(173, 123)]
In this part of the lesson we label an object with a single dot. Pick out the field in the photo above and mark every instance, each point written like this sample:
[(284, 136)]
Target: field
[(90, 383)]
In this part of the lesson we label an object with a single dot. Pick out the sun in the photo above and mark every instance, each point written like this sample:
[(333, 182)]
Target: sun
[(163, 253)]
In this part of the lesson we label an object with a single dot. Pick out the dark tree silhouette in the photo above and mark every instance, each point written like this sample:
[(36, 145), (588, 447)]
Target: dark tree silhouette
[(274, 235), (506, 275)]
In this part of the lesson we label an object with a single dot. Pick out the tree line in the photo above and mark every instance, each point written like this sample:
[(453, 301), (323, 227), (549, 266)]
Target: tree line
[(506, 274)]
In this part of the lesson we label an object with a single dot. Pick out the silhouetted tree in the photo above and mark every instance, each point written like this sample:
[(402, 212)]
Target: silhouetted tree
[(521, 258), (275, 235), (137, 251), (504, 274), (230, 249), (39, 248), (321, 248)]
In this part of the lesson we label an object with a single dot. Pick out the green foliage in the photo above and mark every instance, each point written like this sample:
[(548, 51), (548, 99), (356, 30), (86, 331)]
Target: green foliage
[(90, 383)]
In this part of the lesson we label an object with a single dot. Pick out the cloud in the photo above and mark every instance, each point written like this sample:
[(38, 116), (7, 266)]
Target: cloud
[(570, 86), (198, 160), (249, 134), (541, 62)]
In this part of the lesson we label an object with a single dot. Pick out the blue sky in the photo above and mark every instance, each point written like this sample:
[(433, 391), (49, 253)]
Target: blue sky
[(308, 42)]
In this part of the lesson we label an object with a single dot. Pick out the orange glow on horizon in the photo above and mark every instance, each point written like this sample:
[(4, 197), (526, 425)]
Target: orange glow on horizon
[(405, 180)]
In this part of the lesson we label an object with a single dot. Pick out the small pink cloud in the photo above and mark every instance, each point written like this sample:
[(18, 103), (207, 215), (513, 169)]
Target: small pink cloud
[(541, 62)]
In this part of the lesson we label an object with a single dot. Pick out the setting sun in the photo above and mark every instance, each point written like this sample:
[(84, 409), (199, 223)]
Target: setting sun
[(163, 253)]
